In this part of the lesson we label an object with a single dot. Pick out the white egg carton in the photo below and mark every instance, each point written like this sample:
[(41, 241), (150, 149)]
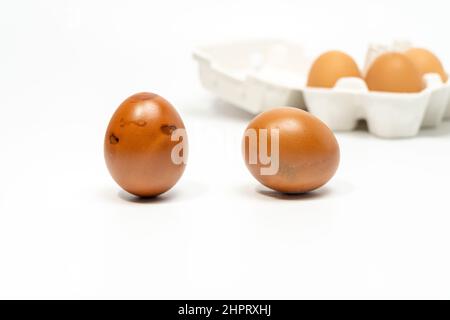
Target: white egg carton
[(388, 115), (258, 75), (254, 75)]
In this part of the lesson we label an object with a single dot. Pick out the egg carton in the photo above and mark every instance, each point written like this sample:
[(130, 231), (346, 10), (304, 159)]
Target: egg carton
[(260, 74), (254, 75), (388, 115)]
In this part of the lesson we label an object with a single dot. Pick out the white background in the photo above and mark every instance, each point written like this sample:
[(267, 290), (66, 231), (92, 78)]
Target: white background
[(379, 229)]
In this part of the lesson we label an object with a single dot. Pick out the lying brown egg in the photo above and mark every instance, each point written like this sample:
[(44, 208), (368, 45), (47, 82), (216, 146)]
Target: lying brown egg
[(394, 72), (145, 145), (289, 150), (330, 67), (426, 62)]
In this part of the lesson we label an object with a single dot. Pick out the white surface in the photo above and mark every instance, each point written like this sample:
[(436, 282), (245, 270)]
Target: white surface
[(380, 229)]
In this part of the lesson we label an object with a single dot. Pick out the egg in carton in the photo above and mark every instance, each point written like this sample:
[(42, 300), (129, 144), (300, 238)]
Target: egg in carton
[(388, 115), (259, 74)]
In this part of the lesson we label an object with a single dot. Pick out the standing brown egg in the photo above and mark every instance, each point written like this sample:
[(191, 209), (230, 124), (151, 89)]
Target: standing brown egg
[(144, 148), (290, 150)]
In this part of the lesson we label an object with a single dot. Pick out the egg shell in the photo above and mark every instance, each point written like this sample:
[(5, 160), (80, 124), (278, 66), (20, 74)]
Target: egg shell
[(331, 66), (138, 145), (426, 62), (308, 150), (394, 72)]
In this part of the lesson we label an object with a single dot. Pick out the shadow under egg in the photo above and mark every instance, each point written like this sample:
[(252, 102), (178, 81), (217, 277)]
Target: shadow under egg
[(143, 200), (311, 195)]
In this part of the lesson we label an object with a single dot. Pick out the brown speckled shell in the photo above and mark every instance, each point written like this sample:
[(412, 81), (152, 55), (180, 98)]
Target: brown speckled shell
[(138, 145)]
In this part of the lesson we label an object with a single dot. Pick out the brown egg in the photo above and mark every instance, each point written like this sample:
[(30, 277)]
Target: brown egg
[(330, 67), (394, 72), (142, 152), (305, 157), (426, 62)]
